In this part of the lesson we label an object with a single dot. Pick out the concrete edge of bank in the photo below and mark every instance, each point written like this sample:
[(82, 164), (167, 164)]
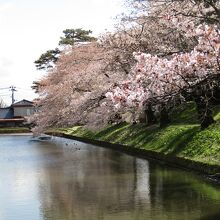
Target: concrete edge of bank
[(213, 171)]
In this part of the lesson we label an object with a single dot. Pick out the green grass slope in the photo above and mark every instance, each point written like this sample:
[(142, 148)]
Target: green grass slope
[(182, 138)]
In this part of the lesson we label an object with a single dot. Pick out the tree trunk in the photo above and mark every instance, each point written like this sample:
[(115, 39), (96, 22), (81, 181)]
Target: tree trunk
[(148, 116), (143, 117), (164, 117), (204, 112), (151, 118)]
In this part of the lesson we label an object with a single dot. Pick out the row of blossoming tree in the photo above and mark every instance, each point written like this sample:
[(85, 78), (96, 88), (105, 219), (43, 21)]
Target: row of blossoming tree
[(165, 53)]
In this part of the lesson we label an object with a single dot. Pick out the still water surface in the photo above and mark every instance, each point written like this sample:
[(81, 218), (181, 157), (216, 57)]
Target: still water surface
[(69, 180)]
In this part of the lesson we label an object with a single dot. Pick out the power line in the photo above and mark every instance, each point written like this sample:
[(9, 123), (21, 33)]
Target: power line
[(25, 89), (13, 89), (4, 88)]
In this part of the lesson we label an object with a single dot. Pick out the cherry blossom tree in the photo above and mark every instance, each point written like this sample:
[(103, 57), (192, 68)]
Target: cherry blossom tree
[(207, 11), (195, 73), (164, 53), (148, 30), (73, 92)]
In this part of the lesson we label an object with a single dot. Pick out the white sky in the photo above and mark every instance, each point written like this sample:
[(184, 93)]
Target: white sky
[(29, 28)]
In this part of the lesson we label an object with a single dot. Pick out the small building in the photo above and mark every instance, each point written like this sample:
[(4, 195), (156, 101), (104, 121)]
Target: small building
[(16, 113), (23, 108)]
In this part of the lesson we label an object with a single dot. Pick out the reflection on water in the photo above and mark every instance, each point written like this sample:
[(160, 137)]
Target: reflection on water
[(65, 180)]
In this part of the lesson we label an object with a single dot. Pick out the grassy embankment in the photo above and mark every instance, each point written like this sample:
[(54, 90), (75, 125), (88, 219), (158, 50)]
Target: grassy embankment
[(12, 130), (181, 139)]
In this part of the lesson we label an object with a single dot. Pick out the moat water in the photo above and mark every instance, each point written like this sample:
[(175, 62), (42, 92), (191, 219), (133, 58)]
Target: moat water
[(63, 179)]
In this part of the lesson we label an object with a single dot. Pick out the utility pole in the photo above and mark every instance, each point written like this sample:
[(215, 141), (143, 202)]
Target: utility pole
[(13, 89)]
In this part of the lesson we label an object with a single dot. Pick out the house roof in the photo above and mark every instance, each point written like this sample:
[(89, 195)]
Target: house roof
[(23, 102)]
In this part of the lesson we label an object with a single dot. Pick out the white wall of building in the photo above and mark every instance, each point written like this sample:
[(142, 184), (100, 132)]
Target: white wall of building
[(23, 111)]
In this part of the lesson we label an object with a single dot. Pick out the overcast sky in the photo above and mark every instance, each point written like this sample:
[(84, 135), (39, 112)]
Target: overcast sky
[(31, 27)]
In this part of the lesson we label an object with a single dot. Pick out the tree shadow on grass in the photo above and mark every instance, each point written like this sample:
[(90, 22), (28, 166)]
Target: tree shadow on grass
[(180, 141), (129, 133), (113, 129), (138, 135), (141, 136)]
